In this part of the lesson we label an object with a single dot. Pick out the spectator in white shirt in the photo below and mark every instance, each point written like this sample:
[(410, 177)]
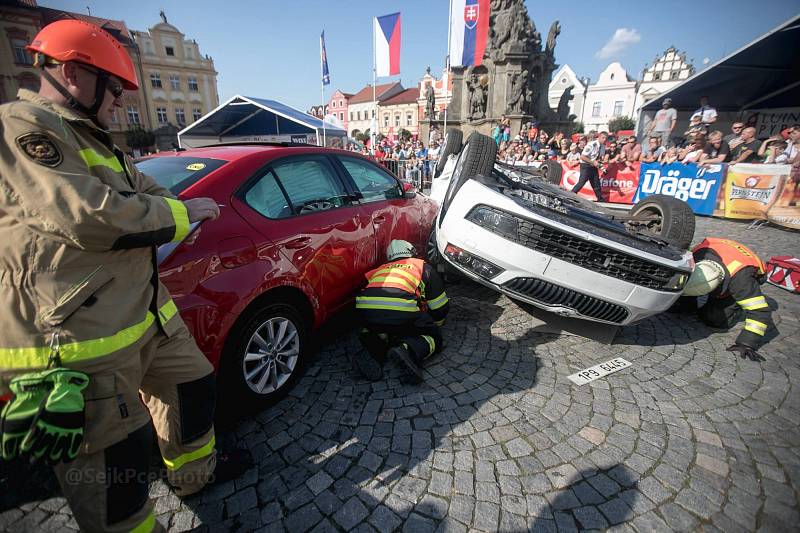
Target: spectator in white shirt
[(591, 157), (708, 115)]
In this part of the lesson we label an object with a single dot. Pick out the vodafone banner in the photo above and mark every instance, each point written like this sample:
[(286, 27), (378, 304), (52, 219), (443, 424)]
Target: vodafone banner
[(618, 181)]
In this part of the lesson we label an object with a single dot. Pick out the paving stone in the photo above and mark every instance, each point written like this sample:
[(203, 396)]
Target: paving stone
[(351, 513), (590, 518), (319, 482), (303, 519), (270, 513), (562, 476), (384, 519), (713, 465), (486, 516), (616, 511), (418, 523)]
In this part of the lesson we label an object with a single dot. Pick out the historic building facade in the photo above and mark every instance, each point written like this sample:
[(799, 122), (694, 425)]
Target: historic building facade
[(361, 109), (612, 96), (179, 83), (400, 112)]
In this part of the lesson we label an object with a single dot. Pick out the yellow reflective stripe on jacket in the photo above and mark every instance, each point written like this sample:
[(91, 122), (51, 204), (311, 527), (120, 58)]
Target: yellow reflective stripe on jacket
[(147, 525), (93, 159), (206, 450), (395, 271), (181, 217), (751, 304), (386, 303), (394, 279), (733, 266), (438, 302), (73, 352), (759, 328)]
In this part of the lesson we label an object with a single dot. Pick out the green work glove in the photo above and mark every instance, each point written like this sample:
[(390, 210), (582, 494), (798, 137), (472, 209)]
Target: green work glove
[(30, 391), (57, 431)]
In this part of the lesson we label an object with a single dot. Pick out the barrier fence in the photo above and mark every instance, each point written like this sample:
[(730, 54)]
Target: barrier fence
[(415, 171), (743, 191)]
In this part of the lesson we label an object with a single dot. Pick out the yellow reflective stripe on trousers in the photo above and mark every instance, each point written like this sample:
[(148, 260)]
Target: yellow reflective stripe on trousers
[(178, 462), (93, 159), (431, 343), (386, 303), (751, 304), (73, 352), (438, 302), (181, 217), (759, 328), (147, 525)]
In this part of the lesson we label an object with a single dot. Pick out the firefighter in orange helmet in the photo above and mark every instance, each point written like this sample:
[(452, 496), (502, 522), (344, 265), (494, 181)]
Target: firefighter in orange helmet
[(402, 307), (91, 344), (731, 275)]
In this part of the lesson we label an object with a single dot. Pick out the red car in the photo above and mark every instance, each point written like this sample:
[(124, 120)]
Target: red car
[(298, 228)]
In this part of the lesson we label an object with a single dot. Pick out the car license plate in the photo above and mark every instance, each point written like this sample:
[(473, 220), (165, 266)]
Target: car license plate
[(598, 371)]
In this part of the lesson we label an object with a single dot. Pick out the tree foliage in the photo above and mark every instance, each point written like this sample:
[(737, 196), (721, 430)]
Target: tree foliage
[(621, 123), (139, 138)]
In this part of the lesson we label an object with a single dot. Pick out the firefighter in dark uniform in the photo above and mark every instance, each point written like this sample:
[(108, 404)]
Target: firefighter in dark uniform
[(731, 275), (402, 308)]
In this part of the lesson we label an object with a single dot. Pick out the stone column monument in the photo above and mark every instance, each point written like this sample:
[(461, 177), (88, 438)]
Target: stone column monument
[(514, 78)]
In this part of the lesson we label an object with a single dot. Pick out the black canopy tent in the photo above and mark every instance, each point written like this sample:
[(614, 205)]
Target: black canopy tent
[(764, 74), (245, 118)]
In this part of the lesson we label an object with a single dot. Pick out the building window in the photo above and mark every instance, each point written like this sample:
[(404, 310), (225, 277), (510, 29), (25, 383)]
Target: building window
[(193, 83), (21, 55), (180, 116), (341, 115), (161, 113), (409, 119), (596, 109), (196, 114), (373, 113), (386, 120), (175, 81), (351, 116), (397, 121), (133, 115), (673, 75), (358, 115), (618, 108), (155, 80), (170, 50), (188, 52)]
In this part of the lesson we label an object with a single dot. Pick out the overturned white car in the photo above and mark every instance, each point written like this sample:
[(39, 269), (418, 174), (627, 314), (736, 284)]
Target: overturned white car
[(511, 230)]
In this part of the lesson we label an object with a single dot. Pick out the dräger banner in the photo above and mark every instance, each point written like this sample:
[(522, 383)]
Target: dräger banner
[(697, 186), (750, 190), (618, 181)]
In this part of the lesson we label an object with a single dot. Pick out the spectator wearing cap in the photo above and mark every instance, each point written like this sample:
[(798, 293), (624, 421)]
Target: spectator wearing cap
[(664, 122), (716, 150), (631, 150), (708, 115), (653, 152)]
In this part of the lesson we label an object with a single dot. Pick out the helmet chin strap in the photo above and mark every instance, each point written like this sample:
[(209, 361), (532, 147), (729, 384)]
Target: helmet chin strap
[(72, 102)]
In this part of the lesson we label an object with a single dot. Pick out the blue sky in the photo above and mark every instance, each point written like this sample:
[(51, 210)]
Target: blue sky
[(270, 48)]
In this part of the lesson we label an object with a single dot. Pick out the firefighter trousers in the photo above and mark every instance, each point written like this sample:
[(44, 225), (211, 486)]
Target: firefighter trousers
[(168, 380), (418, 332)]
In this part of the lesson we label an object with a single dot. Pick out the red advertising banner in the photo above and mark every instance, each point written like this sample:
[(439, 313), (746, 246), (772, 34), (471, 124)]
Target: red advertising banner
[(618, 181)]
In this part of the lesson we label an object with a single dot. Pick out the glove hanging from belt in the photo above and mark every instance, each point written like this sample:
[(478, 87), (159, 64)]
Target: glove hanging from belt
[(45, 418)]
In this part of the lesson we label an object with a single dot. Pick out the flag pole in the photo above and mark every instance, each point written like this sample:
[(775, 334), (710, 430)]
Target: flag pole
[(322, 86), (373, 123), (446, 82)]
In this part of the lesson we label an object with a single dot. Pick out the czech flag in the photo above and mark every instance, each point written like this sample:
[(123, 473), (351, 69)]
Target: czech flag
[(469, 31), (387, 45)]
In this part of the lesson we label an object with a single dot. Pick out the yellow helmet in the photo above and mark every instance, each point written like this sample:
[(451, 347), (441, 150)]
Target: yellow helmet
[(706, 277)]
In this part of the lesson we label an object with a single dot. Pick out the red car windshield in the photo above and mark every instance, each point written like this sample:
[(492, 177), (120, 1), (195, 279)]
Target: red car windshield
[(178, 173)]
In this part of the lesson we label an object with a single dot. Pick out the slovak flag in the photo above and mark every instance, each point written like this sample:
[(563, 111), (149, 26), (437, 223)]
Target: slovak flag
[(469, 31), (387, 45)]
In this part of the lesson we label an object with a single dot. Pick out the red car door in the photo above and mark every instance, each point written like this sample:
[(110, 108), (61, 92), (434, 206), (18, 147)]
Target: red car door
[(393, 216), (301, 205)]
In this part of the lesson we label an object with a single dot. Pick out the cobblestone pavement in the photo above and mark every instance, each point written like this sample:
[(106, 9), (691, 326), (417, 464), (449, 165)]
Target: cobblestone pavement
[(497, 439)]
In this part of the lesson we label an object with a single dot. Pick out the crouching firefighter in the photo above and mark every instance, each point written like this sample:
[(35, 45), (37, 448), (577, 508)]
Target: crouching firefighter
[(91, 344), (731, 275), (402, 308)]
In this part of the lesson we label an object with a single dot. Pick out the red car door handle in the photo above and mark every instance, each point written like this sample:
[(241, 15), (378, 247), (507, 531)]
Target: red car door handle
[(378, 219), (300, 242)]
